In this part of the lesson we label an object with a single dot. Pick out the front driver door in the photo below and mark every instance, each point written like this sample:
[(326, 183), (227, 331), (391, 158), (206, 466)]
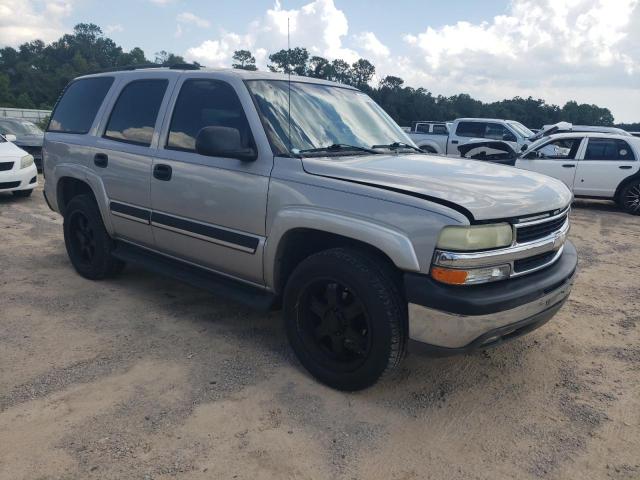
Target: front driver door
[(557, 158), (211, 210)]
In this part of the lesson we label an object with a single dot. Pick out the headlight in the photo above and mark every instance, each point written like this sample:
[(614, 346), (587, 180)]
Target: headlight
[(26, 161), (475, 237)]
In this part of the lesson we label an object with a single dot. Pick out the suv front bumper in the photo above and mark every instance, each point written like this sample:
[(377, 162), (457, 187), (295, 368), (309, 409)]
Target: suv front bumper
[(456, 319)]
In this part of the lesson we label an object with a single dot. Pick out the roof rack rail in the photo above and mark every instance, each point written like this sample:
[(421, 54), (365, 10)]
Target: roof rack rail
[(139, 66)]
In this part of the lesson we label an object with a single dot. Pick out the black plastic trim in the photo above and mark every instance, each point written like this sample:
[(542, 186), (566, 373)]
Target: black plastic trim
[(137, 212), (6, 185), (491, 297), (220, 285), (215, 233)]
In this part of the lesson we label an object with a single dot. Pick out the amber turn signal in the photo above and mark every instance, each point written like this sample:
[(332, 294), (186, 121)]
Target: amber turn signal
[(448, 275)]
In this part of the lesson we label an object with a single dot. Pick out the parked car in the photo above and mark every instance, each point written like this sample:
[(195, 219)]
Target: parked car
[(565, 127), (28, 135), (592, 165), (274, 193), (450, 136), (18, 173)]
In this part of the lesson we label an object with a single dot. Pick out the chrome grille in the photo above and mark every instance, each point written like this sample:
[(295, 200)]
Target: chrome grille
[(530, 231)]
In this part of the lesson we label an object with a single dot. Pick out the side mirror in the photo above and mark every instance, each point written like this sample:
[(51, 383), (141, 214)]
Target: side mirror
[(223, 142), (10, 137), (524, 148)]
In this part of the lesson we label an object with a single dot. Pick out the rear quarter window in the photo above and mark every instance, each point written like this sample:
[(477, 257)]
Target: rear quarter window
[(79, 105)]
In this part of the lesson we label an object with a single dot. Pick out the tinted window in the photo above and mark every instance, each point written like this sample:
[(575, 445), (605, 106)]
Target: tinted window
[(206, 103), (79, 104), (561, 149), (422, 128), (608, 149), (440, 130), (134, 115), (471, 129), (496, 131)]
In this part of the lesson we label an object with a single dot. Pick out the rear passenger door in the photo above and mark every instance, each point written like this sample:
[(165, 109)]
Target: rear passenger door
[(211, 210), (124, 155), (606, 163)]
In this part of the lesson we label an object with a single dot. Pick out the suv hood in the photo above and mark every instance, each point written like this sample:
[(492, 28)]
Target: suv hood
[(483, 190)]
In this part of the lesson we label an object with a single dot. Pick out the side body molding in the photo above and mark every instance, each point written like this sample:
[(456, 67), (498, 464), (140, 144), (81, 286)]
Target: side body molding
[(80, 172), (395, 244)]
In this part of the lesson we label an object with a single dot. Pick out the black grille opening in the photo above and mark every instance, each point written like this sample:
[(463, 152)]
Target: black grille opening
[(6, 185), (4, 166), (539, 230), (33, 180), (525, 264)]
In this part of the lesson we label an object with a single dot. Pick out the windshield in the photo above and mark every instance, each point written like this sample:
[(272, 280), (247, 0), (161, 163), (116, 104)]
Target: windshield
[(521, 129), (19, 127), (322, 115)]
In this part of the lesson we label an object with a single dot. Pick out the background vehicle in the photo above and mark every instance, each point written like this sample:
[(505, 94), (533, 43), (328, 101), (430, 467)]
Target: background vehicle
[(447, 139), (272, 191), (592, 165), (18, 173), (565, 127), (28, 135)]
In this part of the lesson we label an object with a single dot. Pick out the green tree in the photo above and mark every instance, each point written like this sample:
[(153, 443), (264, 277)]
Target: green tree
[(290, 61), (341, 72), (362, 72), (244, 60), (320, 67), (391, 82)]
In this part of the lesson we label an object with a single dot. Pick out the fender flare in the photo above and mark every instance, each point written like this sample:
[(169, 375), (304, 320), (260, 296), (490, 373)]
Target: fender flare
[(88, 176), (392, 242)]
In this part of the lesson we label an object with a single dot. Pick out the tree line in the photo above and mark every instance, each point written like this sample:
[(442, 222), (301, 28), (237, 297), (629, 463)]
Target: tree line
[(34, 74)]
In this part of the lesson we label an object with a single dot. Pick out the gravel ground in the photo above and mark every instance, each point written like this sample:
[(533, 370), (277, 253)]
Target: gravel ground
[(142, 377)]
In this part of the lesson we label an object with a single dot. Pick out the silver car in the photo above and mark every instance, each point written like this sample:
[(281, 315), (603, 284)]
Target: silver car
[(303, 194)]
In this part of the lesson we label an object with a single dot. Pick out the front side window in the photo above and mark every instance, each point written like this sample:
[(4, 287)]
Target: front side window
[(471, 129), (608, 149), (206, 103), (321, 115), (560, 149), (133, 118), (496, 131), (422, 128), (79, 105)]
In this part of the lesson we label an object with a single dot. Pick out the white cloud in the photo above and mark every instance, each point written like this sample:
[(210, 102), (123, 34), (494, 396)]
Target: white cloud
[(113, 28), (554, 49), (319, 26), (370, 44), (26, 20), (188, 17)]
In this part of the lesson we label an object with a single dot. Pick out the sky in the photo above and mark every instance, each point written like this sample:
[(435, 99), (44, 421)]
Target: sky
[(558, 50)]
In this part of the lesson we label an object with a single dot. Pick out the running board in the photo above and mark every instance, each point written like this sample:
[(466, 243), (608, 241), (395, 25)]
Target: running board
[(217, 284)]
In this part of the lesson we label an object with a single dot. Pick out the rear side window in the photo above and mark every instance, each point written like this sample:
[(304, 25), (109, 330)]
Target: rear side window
[(608, 149), (422, 128), (440, 130), (471, 129), (79, 104), (206, 103), (133, 118)]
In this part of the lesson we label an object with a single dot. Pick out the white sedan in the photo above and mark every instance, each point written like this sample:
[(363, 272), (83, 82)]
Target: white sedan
[(18, 173)]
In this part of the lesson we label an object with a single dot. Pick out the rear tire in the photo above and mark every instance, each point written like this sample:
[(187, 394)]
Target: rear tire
[(629, 198), (88, 244), (22, 193), (345, 318)]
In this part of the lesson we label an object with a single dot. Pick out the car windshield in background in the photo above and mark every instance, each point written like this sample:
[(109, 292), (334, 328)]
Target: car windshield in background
[(19, 127), (521, 129), (323, 116)]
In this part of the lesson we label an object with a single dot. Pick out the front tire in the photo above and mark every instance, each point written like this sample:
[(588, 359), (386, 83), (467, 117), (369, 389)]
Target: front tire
[(345, 318), (22, 193), (630, 198), (88, 244)]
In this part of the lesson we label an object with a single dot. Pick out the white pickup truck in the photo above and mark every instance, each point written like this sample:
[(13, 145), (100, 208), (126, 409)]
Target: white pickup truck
[(445, 141)]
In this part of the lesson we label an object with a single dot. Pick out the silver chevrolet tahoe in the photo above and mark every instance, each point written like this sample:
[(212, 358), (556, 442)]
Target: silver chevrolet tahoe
[(302, 194)]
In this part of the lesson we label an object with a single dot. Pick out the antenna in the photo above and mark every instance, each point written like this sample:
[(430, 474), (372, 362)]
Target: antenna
[(289, 82)]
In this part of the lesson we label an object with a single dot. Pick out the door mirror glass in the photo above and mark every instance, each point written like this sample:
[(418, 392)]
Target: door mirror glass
[(223, 142)]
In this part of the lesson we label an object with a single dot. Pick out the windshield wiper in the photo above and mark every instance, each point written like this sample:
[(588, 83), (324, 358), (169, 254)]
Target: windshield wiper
[(336, 147), (397, 145)]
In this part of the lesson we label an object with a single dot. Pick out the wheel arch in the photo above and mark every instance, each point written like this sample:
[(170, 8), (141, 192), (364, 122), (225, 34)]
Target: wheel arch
[(297, 234)]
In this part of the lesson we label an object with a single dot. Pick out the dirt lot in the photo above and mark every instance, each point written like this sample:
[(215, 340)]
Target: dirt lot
[(145, 378)]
